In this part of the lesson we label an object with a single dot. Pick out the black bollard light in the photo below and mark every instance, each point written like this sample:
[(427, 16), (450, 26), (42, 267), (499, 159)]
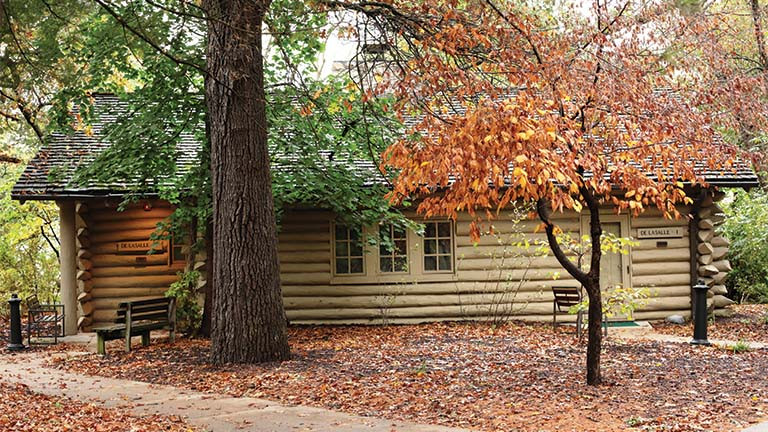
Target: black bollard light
[(700, 314), (16, 340)]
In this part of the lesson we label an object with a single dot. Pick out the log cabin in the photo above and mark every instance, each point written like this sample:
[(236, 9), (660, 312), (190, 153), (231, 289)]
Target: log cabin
[(330, 277)]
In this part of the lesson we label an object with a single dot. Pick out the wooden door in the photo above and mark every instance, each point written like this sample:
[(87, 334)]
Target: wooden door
[(611, 264)]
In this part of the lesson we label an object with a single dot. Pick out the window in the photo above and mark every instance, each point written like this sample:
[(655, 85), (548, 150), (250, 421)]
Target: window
[(393, 249), (347, 250), (438, 247)]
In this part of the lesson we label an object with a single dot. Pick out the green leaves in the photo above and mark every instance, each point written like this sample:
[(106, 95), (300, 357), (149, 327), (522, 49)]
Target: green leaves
[(746, 226)]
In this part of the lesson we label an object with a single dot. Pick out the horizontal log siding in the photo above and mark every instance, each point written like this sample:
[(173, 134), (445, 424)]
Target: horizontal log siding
[(486, 278), (116, 278), (665, 271)]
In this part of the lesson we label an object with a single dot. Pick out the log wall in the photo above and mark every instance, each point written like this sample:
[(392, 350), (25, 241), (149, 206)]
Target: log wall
[(491, 277), (108, 276)]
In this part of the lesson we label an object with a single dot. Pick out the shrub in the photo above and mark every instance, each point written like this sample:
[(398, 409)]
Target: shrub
[(188, 311), (747, 228)]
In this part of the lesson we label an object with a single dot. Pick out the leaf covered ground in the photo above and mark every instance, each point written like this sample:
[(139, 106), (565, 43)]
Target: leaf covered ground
[(22, 410), (518, 377), (749, 322)]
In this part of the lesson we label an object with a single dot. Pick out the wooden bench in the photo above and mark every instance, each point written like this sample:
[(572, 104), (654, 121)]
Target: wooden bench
[(138, 318), (566, 297), (44, 320)]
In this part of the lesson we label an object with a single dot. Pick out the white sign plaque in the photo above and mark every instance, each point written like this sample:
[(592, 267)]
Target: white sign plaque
[(660, 232)]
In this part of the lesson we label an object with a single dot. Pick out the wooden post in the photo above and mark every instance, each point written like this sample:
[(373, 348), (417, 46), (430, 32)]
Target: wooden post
[(68, 265), (128, 324)]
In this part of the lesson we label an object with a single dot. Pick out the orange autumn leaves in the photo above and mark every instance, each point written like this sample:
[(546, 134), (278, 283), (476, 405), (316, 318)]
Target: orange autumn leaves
[(515, 105)]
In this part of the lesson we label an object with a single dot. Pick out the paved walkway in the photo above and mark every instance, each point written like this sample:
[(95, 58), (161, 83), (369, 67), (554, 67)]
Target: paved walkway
[(212, 411), (647, 333)]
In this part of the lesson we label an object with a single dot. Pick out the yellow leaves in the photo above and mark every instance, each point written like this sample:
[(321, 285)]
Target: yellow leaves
[(526, 135), (577, 206), (521, 158)]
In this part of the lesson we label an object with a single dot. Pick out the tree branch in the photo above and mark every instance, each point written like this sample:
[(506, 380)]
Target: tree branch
[(9, 159), (542, 208)]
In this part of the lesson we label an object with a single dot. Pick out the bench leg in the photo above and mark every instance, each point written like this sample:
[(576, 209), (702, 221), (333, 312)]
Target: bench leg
[(100, 348), (145, 338), (127, 339)]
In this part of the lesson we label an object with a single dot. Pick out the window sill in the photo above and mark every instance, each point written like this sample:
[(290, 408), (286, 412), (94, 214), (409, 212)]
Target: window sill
[(380, 279)]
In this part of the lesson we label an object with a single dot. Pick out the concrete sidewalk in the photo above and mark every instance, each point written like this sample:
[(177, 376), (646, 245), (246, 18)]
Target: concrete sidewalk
[(646, 332), (212, 411)]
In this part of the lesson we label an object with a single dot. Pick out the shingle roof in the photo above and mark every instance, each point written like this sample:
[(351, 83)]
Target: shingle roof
[(49, 175)]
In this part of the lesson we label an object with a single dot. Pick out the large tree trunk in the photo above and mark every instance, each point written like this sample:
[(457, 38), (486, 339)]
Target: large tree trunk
[(248, 321)]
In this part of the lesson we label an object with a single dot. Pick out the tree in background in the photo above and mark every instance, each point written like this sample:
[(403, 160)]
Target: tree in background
[(573, 110), (29, 245), (152, 56)]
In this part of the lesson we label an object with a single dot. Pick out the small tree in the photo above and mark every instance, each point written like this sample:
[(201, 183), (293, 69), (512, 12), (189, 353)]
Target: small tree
[(616, 106)]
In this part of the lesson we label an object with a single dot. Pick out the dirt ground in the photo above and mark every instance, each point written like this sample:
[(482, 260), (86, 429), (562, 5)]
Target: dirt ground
[(518, 377)]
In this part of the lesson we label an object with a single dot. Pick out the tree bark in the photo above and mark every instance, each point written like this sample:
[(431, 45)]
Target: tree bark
[(248, 321), (589, 280), (758, 30), (205, 325)]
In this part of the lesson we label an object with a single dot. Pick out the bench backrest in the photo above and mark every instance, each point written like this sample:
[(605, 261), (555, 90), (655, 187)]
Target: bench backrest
[(565, 297), (159, 309), (32, 302)]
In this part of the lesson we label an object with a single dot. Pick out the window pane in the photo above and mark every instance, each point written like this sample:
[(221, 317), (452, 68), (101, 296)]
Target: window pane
[(430, 246), (401, 264), (430, 229), (444, 246), (444, 229), (354, 234), (385, 264), (430, 263), (356, 265), (383, 250), (341, 249), (400, 247), (356, 249), (342, 265), (341, 232), (444, 262)]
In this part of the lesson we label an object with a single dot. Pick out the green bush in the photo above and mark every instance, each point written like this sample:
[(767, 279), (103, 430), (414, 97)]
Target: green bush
[(189, 314), (747, 228)]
